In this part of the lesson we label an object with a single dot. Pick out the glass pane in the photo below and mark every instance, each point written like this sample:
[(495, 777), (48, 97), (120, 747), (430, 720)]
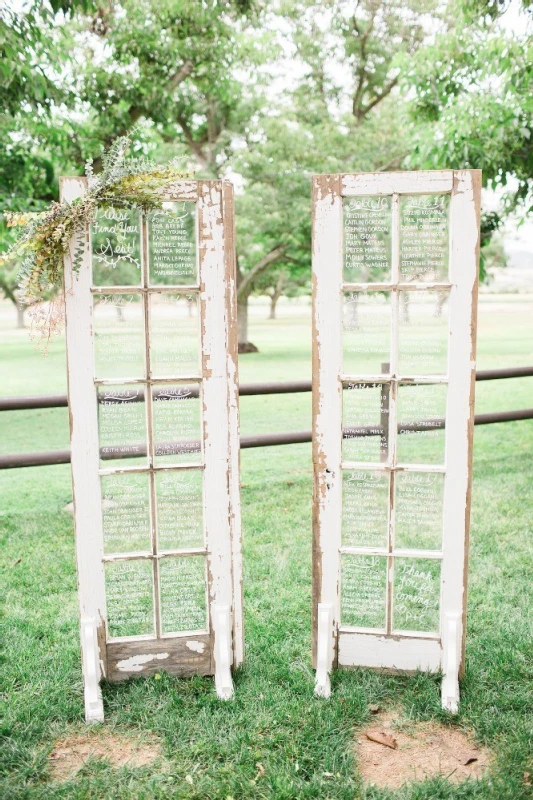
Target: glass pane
[(419, 506), (119, 336), (174, 335), (424, 237), (116, 247), (366, 335), (416, 594), (177, 426), (126, 513), (130, 601), (365, 504), (172, 244), (367, 239), (363, 591), (180, 509), (423, 333), (122, 425), (421, 413), (365, 416), (183, 591)]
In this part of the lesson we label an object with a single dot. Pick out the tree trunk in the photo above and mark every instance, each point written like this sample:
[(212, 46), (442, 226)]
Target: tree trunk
[(276, 294), (245, 285), (242, 321), (20, 315)]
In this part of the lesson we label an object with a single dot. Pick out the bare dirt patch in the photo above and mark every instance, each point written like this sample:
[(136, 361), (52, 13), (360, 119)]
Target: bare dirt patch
[(71, 754), (393, 751)]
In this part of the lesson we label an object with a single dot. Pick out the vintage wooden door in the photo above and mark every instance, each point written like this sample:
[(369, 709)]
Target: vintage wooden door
[(153, 401), (395, 264)]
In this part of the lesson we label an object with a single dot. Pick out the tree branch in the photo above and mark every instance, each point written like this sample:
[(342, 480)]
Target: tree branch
[(184, 71), (8, 292), (394, 162), (195, 146), (135, 112), (362, 112), (245, 285), (361, 72)]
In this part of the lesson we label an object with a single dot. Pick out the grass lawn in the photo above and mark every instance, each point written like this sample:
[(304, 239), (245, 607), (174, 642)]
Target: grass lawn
[(305, 745)]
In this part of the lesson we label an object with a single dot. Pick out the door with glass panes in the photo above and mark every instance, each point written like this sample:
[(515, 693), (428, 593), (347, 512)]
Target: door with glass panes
[(151, 347), (395, 262)]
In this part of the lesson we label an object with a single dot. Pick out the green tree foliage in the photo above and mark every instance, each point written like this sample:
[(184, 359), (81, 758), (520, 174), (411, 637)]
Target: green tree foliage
[(167, 62), (29, 49), (266, 94), (493, 256), (170, 62), (24, 78), (473, 103)]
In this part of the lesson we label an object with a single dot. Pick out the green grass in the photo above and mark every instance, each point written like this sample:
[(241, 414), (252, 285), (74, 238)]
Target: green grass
[(304, 744)]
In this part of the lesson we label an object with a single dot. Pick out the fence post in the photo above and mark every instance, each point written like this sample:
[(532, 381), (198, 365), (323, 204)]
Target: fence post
[(384, 414)]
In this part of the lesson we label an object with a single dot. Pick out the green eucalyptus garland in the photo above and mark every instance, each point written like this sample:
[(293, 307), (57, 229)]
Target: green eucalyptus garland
[(45, 238)]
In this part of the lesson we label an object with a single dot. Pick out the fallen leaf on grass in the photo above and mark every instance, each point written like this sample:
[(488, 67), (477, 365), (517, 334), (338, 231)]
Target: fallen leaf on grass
[(260, 769), (382, 738)]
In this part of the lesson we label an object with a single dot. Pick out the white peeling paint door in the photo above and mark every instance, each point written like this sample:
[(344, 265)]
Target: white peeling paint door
[(153, 402), (395, 266)]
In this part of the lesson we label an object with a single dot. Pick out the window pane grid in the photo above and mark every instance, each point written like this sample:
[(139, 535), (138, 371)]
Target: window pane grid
[(390, 380), (176, 558)]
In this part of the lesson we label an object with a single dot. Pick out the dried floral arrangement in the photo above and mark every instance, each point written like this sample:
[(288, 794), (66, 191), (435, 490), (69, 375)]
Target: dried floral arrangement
[(46, 236)]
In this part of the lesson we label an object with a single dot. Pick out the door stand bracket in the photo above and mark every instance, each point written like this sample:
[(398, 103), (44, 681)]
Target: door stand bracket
[(324, 650), (94, 705), (223, 650), (452, 648)]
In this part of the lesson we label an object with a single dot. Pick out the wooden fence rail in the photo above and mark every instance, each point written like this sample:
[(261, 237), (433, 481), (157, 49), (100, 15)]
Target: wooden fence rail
[(51, 457)]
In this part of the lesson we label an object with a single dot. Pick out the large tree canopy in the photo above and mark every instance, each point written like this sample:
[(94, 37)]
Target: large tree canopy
[(264, 94)]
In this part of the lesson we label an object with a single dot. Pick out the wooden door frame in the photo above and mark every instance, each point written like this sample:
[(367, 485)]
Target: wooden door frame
[(333, 647), (190, 654)]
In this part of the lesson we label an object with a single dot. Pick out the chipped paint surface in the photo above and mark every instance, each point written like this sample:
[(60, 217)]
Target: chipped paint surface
[(196, 647), (421, 182), (137, 663), (234, 441), (464, 258), (217, 422), (327, 314), (362, 650)]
